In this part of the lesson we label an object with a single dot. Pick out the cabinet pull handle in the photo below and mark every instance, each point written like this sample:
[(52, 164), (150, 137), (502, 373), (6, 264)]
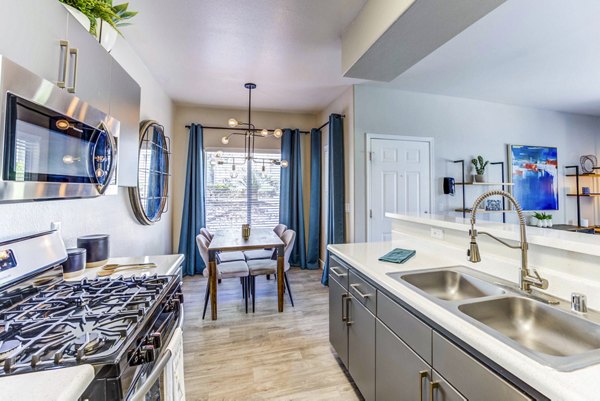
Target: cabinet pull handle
[(432, 387), (348, 321), (74, 54), (422, 375), (360, 294), (337, 274), (344, 315), (62, 64)]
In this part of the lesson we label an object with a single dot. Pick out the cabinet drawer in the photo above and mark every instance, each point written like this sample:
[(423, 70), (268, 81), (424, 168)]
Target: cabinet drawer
[(339, 272), (410, 329), (471, 378), (363, 291)]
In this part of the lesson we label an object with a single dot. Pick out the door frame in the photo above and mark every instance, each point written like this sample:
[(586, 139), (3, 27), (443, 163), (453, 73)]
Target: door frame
[(427, 139)]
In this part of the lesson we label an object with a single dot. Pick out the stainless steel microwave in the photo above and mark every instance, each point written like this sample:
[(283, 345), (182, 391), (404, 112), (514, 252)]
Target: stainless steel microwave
[(53, 145)]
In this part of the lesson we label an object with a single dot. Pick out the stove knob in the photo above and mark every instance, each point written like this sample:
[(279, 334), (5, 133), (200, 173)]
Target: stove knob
[(147, 353), (154, 339)]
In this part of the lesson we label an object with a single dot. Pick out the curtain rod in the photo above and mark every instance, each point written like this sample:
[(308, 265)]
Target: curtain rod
[(258, 129)]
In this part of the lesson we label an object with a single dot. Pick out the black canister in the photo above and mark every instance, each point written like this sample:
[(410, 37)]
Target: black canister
[(75, 263), (97, 249)]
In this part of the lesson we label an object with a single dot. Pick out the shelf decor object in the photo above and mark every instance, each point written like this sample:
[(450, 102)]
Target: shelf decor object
[(588, 163), (534, 173), (149, 198)]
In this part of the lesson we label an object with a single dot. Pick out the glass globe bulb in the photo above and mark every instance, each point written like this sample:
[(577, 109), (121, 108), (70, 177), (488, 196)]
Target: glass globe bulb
[(232, 122), (278, 133), (264, 132), (225, 140), (234, 174), (219, 153), (213, 162), (284, 163)]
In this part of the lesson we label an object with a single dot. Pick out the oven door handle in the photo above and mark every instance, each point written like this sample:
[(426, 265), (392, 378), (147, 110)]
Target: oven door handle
[(153, 377)]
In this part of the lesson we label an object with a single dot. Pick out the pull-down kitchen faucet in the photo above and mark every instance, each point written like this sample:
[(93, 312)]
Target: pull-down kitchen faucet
[(526, 280)]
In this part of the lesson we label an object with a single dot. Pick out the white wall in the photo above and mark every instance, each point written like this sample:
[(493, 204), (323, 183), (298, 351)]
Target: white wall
[(463, 128), (106, 214), (342, 105), (186, 114)]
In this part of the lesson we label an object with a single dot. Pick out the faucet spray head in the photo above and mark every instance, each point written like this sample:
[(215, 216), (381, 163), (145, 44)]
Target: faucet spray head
[(473, 252)]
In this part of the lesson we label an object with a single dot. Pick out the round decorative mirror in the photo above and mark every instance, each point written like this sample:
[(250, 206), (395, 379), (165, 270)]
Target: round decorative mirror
[(149, 198)]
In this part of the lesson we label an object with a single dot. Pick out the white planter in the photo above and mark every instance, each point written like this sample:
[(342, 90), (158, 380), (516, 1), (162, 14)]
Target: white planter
[(540, 223), (79, 16), (549, 223), (107, 35)]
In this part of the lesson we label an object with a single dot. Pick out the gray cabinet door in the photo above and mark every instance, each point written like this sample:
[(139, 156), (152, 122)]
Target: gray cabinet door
[(361, 347), (125, 96), (338, 330), (401, 374), (88, 72), (469, 376), (443, 391), (31, 35)]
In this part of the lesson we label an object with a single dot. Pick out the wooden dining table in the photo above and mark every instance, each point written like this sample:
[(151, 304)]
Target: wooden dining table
[(232, 240)]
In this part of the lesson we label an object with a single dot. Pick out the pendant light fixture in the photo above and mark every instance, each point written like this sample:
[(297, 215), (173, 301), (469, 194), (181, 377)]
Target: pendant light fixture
[(250, 133)]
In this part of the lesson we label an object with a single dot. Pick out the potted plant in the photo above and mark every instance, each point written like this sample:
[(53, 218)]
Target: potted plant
[(101, 18), (480, 164), (542, 219)]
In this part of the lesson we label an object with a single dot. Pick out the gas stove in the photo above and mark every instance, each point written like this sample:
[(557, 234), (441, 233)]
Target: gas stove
[(119, 325)]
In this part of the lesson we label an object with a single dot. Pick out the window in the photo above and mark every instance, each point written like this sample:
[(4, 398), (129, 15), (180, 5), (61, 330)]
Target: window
[(241, 194)]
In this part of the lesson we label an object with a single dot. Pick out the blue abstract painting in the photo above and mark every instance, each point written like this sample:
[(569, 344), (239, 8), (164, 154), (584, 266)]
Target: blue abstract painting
[(534, 173)]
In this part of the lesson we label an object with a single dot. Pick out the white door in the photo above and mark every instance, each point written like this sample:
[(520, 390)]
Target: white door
[(399, 182)]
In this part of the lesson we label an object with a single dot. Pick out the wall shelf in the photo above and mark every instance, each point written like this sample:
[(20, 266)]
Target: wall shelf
[(585, 195), (489, 184), (483, 211)]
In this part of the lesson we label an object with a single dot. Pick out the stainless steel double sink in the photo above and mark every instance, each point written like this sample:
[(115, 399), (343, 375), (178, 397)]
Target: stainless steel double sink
[(550, 334)]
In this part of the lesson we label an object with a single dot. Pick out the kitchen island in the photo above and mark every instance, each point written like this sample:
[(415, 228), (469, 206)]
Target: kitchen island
[(569, 272)]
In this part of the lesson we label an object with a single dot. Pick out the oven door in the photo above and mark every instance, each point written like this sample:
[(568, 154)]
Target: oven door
[(47, 149), (163, 380)]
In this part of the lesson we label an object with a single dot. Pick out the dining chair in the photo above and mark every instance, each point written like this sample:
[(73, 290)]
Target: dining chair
[(266, 253), (207, 234), (268, 266), (224, 270)]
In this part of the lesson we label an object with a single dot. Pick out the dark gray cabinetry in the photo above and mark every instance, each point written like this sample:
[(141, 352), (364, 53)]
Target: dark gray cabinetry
[(393, 355), (361, 347), (338, 330), (401, 374)]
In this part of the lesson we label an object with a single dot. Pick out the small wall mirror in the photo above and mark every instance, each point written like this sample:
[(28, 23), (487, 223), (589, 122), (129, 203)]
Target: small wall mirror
[(149, 198)]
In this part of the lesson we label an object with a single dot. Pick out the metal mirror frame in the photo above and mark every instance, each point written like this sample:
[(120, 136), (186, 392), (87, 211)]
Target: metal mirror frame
[(134, 192)]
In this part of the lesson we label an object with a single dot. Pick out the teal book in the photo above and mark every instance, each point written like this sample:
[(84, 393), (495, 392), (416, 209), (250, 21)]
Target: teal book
[(398, 255)]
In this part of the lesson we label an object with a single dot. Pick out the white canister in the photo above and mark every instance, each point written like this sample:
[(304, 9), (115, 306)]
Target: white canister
[(585, 223)]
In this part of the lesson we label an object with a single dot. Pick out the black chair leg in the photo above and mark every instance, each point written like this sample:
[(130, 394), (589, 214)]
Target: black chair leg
[(219, 281), (243, 283), (206, 298), (253, 286), (289, 290), (268, 277), (246, 281)]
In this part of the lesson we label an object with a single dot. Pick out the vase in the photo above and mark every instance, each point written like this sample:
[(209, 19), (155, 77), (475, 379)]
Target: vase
[(106, 35), (549, 223), (479, 177), (540, 223), (79, 16)]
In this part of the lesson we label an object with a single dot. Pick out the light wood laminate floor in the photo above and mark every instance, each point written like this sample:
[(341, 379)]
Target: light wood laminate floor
[(265, 355)]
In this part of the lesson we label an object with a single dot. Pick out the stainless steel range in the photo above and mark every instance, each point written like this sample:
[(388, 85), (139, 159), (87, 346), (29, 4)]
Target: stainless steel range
[(119, 325)]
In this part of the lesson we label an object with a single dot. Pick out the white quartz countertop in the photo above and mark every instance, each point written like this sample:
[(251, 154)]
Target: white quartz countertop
[(560, 239), (581, 384), (67, 384)]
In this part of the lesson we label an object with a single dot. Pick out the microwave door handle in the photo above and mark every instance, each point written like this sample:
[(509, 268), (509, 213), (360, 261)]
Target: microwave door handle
[(157, 370), (113, 160)]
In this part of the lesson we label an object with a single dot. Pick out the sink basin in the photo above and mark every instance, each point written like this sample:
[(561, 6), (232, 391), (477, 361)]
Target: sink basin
[(451, 285), (536, 326)]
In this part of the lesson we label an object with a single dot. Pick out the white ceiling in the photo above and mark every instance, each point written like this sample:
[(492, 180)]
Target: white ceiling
[(537, 53), (203, 51)]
